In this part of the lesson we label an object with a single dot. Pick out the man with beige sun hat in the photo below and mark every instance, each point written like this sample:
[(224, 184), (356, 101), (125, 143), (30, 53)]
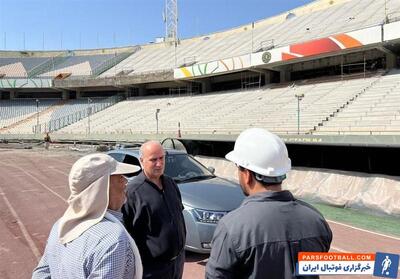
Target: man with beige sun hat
[(89, 240)]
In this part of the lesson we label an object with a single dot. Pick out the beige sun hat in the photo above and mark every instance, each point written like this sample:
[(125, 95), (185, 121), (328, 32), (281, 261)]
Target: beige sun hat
[(89, 182)]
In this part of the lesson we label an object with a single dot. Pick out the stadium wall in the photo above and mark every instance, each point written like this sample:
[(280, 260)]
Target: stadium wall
[(375, 193), (376, 159)]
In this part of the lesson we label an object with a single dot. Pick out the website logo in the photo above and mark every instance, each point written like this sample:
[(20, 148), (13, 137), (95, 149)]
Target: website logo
[(378, 264), (386, 265)]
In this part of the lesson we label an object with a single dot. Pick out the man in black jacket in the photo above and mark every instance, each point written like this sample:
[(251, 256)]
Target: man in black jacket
[(153, 216), (262, 238)]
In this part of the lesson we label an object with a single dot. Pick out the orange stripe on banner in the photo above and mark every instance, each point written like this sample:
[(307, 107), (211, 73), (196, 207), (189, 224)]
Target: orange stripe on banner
[(287, 56), (347, 40), (315, 256)]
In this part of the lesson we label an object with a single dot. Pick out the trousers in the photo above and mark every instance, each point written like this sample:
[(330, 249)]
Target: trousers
[(172, 269)]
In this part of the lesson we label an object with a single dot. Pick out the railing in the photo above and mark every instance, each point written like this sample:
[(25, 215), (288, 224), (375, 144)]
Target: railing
[(113, 61), (266, 45), (188, 61), (59, 123), (49, 64)]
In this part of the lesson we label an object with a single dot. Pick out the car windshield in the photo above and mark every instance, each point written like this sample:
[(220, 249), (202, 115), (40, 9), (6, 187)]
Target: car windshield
[(183, 168)]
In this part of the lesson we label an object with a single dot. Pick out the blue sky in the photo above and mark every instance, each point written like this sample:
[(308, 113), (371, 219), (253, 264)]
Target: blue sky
[(75, 24)]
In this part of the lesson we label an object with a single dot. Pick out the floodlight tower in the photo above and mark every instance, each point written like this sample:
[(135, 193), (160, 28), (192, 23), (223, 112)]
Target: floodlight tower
[(171, 20)]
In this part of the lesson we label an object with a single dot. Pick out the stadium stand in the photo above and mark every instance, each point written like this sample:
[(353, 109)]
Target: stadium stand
[(79, 65), (19, 67), (316, 20), (50, 64), (114, 60), (53, 114), (333, 106), (375, 111), (14, 70), (13, 111), (81, 69), (230, 112), (74, 106), (75, 110)]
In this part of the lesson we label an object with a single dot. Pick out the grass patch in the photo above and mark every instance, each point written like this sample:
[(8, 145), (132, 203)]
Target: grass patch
[(382, 224)]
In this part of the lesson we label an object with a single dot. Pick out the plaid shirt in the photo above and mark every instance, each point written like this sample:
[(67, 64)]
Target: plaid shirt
[(103, 251)]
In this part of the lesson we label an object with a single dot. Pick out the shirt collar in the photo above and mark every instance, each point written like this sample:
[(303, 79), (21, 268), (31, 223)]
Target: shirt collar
[(284, 195), (140, 177), (116, 214), (143, 178)]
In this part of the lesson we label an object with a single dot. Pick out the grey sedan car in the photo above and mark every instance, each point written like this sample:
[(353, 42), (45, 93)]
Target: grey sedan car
[(206, 197)]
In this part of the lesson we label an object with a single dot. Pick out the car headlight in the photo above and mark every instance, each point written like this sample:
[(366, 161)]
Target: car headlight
[(208, 216)]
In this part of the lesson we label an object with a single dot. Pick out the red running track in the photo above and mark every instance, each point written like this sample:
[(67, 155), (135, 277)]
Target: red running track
[(33, 194)]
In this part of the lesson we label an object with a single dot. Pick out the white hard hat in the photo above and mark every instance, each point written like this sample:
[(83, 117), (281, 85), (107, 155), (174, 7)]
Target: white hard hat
[(262, 152)]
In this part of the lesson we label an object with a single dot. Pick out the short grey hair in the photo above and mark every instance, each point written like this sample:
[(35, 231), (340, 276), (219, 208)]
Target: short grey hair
[(144, 145)]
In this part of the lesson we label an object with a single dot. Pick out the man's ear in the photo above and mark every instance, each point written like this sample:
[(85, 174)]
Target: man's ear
[(248, 177)]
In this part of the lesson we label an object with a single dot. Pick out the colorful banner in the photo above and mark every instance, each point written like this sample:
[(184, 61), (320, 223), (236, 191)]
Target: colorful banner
[(213, 67), (25, 83), (331, 44)]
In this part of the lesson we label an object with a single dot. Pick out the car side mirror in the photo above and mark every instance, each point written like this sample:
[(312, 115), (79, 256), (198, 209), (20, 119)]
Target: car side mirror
[(211, 169)]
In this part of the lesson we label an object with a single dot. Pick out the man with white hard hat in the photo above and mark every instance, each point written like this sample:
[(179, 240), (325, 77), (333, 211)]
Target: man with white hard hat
[(262, 238), (89, 240)]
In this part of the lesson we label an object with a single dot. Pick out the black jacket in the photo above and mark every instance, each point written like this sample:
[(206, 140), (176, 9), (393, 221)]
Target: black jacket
[(261, 239), (154, 219)]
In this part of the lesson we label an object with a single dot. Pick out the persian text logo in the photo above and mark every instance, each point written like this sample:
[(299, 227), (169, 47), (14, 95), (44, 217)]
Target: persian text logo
[(313, 263)]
